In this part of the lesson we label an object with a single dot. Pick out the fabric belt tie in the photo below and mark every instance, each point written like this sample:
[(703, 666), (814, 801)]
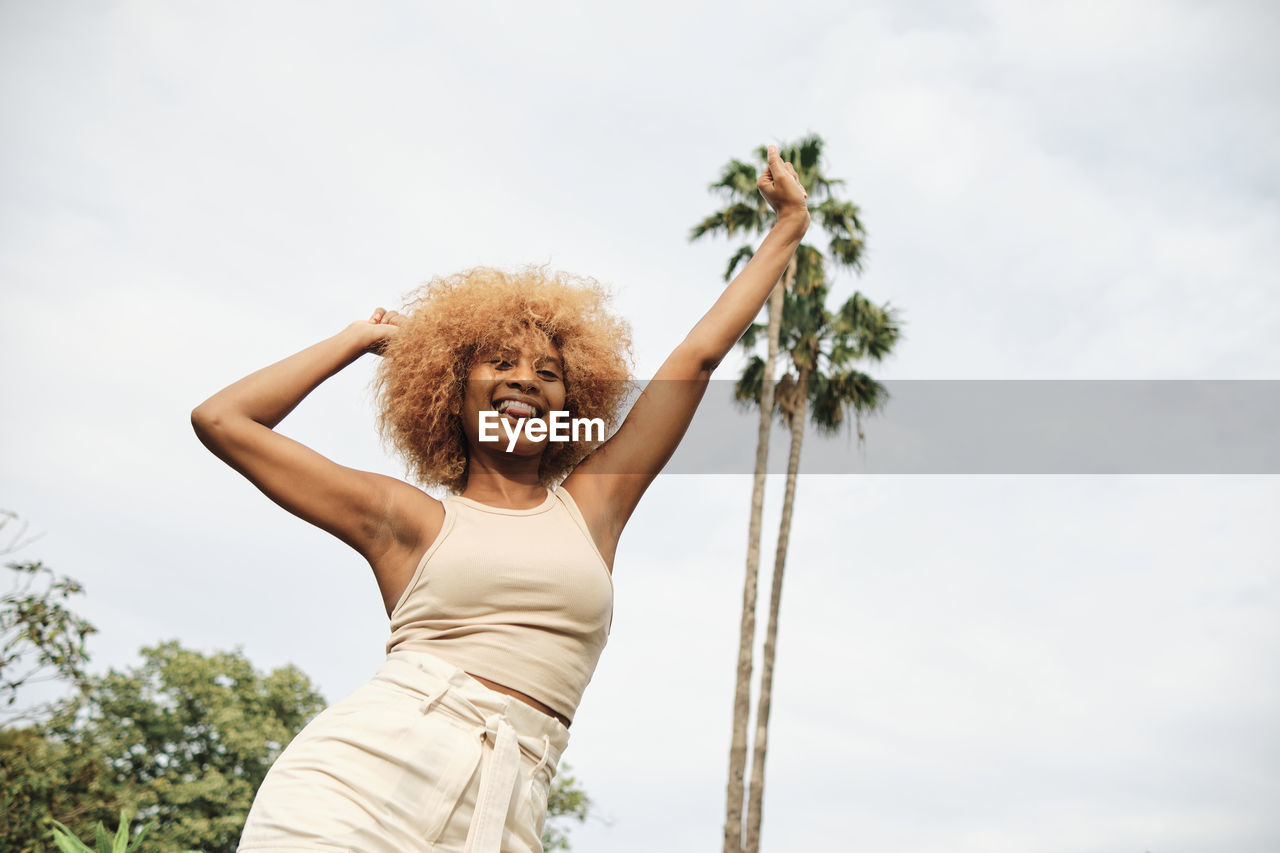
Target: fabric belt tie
[(497, 784)]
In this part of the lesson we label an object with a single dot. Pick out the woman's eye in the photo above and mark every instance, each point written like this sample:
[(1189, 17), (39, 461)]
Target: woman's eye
[(549, 374)]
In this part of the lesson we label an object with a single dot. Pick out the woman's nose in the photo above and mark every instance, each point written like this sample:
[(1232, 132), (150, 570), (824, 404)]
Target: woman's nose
[(523, 373)]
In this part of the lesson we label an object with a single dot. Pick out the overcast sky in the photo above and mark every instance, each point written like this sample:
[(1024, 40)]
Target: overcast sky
[(970, 664)]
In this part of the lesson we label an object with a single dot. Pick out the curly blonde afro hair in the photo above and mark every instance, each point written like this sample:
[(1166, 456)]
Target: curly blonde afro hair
[(453, 319)]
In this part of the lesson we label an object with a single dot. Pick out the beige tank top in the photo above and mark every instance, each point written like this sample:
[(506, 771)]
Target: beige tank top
[(521, 597)]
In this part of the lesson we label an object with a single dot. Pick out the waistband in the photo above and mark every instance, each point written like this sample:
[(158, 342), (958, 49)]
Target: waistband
[(437, 682)]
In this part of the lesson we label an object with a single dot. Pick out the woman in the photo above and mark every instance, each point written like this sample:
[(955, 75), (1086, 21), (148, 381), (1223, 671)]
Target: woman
[(499, 595)]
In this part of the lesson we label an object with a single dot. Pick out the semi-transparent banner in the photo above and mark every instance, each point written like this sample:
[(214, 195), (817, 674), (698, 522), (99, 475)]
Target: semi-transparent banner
[(1009, 427)]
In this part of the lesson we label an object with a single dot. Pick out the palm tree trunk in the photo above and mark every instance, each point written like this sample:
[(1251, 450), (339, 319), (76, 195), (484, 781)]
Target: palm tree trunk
[(747, 628), (755, 797)]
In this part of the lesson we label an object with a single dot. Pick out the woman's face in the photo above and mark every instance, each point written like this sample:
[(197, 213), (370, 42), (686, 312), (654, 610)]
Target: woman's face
[(520, 381)]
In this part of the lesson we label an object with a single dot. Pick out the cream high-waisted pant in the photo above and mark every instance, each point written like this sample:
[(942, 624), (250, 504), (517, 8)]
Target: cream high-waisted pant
[(422, 758)]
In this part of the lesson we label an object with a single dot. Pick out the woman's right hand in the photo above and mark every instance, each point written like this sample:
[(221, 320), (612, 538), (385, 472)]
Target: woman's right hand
[(780, 185), (378, 329)]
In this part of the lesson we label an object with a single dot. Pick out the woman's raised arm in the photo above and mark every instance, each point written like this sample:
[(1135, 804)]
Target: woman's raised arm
[(609, 483), (378, 516)]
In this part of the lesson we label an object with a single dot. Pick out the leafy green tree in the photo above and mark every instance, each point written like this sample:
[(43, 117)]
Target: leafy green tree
[(187, 738)]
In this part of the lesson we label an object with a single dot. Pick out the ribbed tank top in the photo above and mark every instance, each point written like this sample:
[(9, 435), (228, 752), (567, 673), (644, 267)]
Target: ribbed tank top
[(521, 597)]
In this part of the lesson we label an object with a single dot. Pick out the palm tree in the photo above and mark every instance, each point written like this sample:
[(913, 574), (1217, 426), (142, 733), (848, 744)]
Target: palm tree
[(821, 346), (747, 211)]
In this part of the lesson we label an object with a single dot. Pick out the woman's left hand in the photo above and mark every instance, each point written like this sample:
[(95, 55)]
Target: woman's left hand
[(781, 187)]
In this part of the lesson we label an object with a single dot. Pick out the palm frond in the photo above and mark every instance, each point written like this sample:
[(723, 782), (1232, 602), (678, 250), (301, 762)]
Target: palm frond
[(744, 217), (739, 216), (884, 335), (848, 252), (746, 391), (848, 238), (737, 180), (811, 271), (806, 156), (866, 330), (840, 217), (709, 225), (752, 335), (833, 397)]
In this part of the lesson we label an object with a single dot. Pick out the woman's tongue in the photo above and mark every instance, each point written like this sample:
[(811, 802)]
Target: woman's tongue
[(518, 411)]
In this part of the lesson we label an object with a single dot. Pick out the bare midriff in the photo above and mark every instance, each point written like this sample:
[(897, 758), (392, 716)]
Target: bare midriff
[(528, 700)]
